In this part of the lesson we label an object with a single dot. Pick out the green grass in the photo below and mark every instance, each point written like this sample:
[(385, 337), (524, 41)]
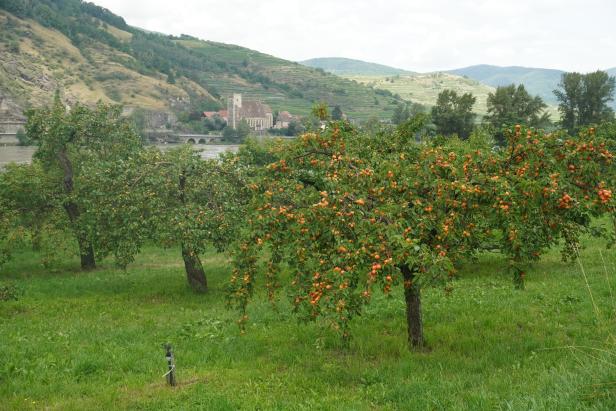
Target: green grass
[(86, 341)]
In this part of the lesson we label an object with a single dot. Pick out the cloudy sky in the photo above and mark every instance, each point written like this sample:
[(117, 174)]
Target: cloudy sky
[(416, 35)]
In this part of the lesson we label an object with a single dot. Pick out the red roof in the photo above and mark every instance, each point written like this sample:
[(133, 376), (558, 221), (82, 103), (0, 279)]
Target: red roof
[(210, 114)]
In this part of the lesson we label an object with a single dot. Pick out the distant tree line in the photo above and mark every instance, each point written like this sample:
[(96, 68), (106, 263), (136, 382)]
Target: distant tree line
[(583, 101)]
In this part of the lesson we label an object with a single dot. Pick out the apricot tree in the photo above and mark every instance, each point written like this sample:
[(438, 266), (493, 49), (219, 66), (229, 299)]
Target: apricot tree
[(71, 141), (172, 198), (350, 214)]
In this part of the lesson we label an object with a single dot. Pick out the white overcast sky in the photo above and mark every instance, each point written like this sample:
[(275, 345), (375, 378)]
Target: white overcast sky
[(423, 35)]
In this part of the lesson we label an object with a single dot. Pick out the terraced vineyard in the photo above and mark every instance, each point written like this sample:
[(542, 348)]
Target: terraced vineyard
[(424, 88), (89, 54), (295, 87)]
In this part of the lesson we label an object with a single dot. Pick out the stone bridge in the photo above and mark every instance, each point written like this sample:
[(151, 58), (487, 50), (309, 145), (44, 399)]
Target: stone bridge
[(198, 138), (171, 137), (8, 131)]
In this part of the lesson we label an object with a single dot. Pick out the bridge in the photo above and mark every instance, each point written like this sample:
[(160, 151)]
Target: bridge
[(198, 138), (168, 136), (9, 139), (9, 129)]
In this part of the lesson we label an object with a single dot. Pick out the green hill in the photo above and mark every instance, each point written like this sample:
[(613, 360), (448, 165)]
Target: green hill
[(349, 67), (89, 54), (424, 88), (537, 81)]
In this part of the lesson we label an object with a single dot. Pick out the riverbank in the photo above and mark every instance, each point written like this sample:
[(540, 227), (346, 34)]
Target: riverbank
[(23, 154)]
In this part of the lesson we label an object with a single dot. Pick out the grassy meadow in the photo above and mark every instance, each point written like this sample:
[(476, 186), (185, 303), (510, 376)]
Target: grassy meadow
[(89, 341)]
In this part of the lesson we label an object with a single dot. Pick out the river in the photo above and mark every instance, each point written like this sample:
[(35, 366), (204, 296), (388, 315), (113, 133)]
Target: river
[(17, 154)]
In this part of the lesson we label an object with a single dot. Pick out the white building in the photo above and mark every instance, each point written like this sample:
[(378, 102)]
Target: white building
[(258, 115)]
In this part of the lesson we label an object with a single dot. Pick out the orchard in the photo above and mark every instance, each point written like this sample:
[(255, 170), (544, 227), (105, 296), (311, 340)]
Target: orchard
[(331, 218), (350, 215)]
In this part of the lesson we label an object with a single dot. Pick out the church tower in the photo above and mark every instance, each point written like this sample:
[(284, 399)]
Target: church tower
[(234, 106)]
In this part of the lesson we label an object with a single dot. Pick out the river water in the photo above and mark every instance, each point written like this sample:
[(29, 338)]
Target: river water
[(17, 154)]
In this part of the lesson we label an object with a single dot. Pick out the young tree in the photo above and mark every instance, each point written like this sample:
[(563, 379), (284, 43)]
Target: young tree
[(174, 198), (17, 208), (511, 105), (238, 135), (243, 131), (38, 220), (583, 99), (22, 137), (139, 119), (405, 111), (229, 134), (320, 111), (372, 125), (453, 114), (401, 114), (171, 77), (337, 113), (295, 128), (70, 140), (7, 217)]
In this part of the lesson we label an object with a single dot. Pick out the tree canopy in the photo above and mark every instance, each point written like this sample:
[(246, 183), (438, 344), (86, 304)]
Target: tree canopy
[(583, 99), (72, 144), (404, 112), (350, 214), (453, 113), (510, 105)]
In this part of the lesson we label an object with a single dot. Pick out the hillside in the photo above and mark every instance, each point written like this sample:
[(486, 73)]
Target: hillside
[(350, 67), (424, 88), (90, 54), (537, 81)]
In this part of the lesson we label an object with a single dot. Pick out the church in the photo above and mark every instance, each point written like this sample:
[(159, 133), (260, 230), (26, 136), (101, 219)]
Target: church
[(258, 115)]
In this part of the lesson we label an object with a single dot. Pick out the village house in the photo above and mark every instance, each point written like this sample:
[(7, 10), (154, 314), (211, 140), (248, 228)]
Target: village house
[(283, 119), (258, 115), (223, 114)]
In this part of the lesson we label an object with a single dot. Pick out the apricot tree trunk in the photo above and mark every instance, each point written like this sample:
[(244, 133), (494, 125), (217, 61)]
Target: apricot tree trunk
[(86, 251), (194, 270), (412, 296)]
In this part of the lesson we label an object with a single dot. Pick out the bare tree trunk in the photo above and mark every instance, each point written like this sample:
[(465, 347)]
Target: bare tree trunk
[(86, 251), (194, 270), (412, 296)]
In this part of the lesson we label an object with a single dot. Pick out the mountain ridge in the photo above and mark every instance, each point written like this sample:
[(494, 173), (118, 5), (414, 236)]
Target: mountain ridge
[(538, 81), (343, 66)]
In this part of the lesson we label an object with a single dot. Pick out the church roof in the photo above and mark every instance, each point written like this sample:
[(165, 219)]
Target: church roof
[(252, 109)]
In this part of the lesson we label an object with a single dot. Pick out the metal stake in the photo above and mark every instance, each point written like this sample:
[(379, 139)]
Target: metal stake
[(170, 375)]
